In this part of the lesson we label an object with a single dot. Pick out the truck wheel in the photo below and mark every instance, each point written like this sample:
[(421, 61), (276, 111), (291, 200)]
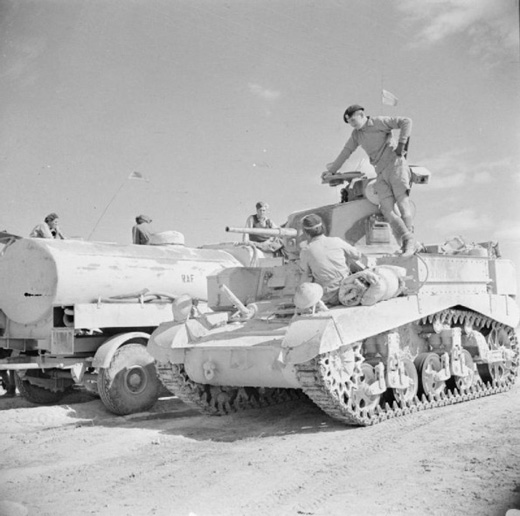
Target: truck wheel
[(36, 393), (130, 383)]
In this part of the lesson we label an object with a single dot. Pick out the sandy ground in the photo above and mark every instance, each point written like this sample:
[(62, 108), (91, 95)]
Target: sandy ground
[(76, 458)]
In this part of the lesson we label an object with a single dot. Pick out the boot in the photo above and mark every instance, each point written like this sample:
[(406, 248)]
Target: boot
[(408, 246)]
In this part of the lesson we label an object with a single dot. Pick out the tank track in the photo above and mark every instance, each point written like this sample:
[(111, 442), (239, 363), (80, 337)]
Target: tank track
[(315, 386), (217, 400), (223, 400)]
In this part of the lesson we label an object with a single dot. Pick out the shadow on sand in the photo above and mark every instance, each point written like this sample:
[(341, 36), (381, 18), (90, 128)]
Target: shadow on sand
[(170, 416)]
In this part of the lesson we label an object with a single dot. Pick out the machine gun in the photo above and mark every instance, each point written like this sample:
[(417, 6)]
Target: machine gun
[(359, 185)]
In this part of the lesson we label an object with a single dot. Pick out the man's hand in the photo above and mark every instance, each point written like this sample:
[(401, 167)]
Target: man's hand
[(329, 168), (399, 150), (328, 171)]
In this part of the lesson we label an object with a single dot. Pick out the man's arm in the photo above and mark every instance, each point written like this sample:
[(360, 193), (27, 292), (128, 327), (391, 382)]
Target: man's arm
[(41, 231), (345, 153), (35, 233), (404, 125), (135, 235), (351, 253), (304, 266)]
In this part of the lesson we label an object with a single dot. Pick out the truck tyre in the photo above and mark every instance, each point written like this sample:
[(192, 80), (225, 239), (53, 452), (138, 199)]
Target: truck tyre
[(130, 383), (35, 393)]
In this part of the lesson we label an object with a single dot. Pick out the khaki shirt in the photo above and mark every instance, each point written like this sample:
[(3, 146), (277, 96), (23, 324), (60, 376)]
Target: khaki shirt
[(141, 233), (375, 137), (325, 260), (44, 231)]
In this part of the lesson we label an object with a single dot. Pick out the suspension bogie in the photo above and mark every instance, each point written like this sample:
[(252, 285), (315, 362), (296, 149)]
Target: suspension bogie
[(450, 355)]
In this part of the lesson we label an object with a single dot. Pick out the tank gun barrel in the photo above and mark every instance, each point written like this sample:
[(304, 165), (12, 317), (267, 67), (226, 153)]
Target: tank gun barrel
[(271, 232)]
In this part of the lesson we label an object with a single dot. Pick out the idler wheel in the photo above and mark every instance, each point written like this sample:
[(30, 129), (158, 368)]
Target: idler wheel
[(496, 372)]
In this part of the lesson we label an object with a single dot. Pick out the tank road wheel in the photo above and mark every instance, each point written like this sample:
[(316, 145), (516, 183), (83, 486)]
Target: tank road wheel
[(497, 372), (406, 395), (428, 364), (463, 383), (130, 383), (35, 386), (361, 395)]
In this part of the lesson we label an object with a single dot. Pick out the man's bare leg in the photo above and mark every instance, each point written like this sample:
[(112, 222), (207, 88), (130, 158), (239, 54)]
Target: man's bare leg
[(402, 226)]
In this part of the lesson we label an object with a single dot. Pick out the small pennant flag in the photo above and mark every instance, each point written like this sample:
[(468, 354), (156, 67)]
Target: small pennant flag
[(388, 98), (138, 176)]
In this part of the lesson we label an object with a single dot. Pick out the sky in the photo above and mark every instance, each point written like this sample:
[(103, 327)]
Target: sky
[(220, 104)]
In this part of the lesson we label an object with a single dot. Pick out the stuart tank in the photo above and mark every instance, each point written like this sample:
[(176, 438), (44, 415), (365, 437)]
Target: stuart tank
[(410, 334)]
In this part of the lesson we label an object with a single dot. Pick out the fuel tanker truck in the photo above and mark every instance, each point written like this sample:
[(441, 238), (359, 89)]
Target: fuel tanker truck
[(410, 333), (80, 313)]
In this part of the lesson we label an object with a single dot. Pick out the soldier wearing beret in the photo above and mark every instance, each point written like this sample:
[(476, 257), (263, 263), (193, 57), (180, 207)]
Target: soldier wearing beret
[(374, 135)]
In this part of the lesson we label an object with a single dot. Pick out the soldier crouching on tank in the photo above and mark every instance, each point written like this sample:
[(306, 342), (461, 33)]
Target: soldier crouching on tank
[(374, 135), (325, 260)]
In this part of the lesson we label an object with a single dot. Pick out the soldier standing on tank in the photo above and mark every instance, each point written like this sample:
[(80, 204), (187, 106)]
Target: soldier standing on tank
[(142, 231), (48, 229), (325, 260), (374, 135)]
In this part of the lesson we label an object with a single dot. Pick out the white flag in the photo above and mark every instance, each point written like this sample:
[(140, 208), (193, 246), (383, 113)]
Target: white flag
[(388, 98), (137, 175)]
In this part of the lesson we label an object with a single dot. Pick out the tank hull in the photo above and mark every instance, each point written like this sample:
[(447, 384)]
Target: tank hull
[(451, 338)]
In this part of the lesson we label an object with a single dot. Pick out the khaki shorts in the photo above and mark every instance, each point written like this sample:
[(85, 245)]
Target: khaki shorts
[(393, 181)]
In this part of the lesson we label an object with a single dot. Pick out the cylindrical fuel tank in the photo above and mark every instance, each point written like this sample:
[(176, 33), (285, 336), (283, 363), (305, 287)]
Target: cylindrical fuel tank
[(36, 274)]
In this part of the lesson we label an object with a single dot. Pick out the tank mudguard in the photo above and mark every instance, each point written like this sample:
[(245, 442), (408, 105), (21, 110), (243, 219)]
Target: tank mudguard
[(311, 335), (167, 343), (107, 350)]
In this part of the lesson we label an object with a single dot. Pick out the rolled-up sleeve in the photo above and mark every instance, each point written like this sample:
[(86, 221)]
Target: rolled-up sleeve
[(351, 252), (305, 267)]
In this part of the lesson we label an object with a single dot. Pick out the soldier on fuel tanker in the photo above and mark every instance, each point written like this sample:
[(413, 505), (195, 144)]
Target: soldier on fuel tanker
[(325, 260), (374, 135), (142, 231), (48, 229)]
